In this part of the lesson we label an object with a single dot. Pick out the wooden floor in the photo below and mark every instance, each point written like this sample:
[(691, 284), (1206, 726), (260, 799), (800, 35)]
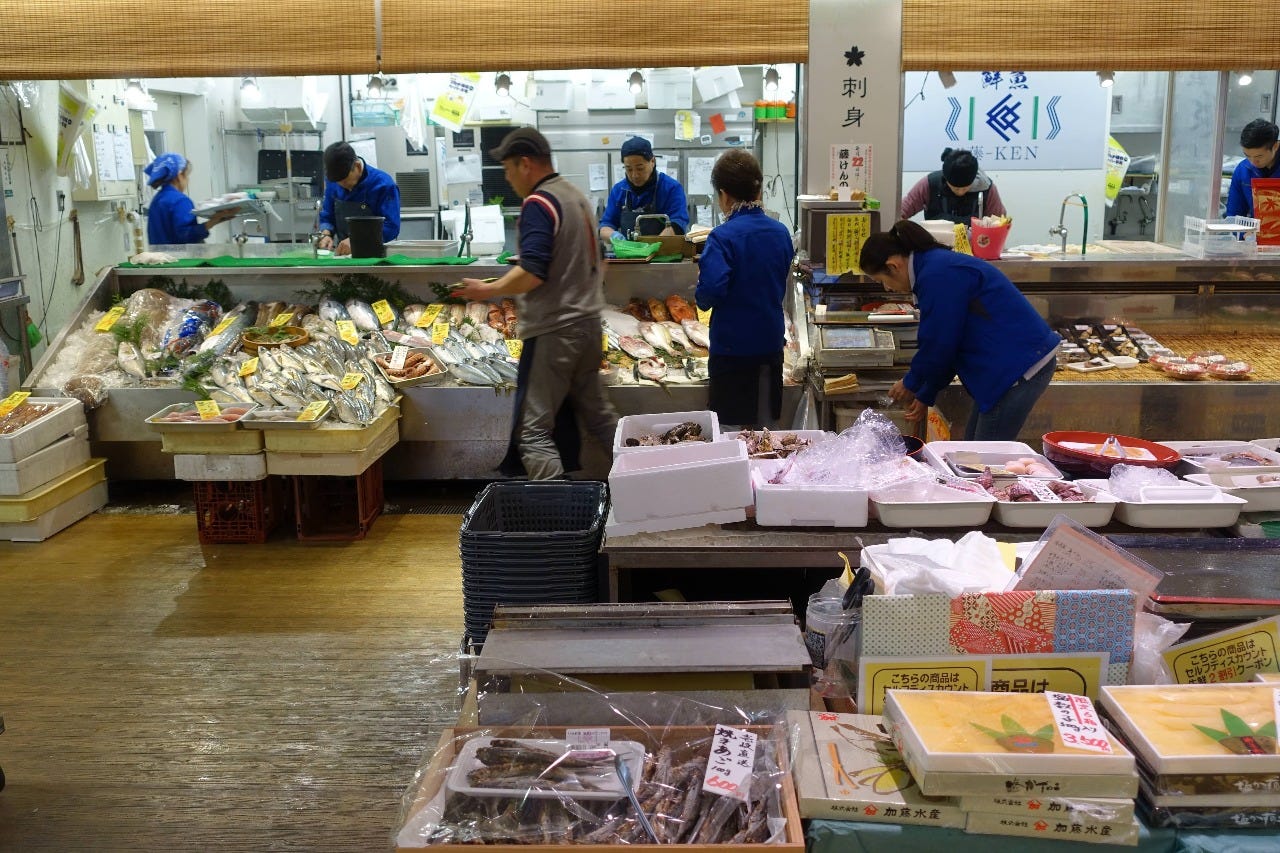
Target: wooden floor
[(161, 695)]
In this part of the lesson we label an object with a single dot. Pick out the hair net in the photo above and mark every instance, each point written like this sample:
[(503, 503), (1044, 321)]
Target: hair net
[(165, 168)]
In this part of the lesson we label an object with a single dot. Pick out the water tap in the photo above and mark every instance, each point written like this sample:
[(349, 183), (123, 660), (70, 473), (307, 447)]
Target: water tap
[(243, 236), (1061, 229)]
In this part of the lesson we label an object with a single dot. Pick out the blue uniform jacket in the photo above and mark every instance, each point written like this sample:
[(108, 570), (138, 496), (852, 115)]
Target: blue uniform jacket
[(666, 195), (974, 323), (170, 220), (1240, 194), (375, 188), (742, 274)]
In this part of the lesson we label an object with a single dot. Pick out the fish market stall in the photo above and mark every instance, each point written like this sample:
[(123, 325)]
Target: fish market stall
[(456, 407)]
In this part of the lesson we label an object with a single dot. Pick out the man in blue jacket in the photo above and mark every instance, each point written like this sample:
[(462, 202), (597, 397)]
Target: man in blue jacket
[(644, 190), (1262, 160), (354, 188)]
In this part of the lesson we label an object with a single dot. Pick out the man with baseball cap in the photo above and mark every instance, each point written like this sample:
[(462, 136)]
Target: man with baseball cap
[(559, 290), (643, 190), (354, 188)]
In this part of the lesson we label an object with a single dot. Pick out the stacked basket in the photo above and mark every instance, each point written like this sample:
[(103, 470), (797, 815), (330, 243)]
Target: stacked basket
[(530, 543)]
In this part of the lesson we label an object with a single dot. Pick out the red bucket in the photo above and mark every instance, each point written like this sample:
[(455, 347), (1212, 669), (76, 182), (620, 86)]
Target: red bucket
[(987, 242)]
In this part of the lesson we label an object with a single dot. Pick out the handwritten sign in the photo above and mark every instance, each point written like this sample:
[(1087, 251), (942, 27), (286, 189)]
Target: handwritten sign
[(1233, 655), (850, 165), (280, 320), (877, 675), (347, 329), (351, 380), (382, 308), (846, 232), (731, 764), (398, 355), (587, 738), (113, 316), (439, 332), (1070, 556), (514, 348), (1077, 722), (13, 401), (250, 367), (429, 315), (208, 409), (313, 410), (1040, 490)]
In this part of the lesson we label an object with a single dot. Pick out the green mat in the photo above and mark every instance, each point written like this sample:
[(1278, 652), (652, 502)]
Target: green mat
[(402, 261), (666, 259), (229, 261), (628, 249), (181, 263), (502, 258)]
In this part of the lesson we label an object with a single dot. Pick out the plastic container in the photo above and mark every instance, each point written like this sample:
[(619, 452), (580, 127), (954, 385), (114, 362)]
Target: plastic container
[(58, 518), (423, 248), (987, 243), (936, 451), (1190, 506), (1096, 512), (686, 479), (634, 426), (66, 416), (238, 512), (607, 785), (338, 508), (831, 634), (940, 507), (1220, 237), (804, 504), (1261, 494), (1199, 457), (366, 236), (532, 513), (45, 465), (1076, 460)]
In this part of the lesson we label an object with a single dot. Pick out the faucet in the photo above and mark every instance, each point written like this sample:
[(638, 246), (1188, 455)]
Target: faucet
[(1061, 230), (243, 236), (315, 237)]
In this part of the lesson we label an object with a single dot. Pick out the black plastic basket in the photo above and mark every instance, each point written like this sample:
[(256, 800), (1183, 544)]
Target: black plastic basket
[(525, 512)]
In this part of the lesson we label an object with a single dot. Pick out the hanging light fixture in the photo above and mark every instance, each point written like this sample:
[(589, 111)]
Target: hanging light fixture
[(375, 85), (1244, 78), (636, 82), (947, 79), (771, 80), (1106, 79), (502, 84), (249, 90)]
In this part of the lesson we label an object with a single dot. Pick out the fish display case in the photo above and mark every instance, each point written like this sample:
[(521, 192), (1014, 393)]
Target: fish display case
[(447, 430)]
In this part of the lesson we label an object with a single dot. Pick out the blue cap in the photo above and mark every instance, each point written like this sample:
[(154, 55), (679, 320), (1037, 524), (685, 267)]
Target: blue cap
[(638, 145), (165, 168)]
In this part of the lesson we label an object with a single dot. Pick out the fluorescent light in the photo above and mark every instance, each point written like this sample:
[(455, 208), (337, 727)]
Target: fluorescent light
[(1106, 79), (636, 82), (771, 81), (502, 84), (1244, 78), (947, 79)]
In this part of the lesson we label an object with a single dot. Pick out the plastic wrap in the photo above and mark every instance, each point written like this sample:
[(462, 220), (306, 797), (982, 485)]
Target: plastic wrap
[(537, 784), (912, 566), (868, 455), (26, 92), (1126, 481), (1152, 635)]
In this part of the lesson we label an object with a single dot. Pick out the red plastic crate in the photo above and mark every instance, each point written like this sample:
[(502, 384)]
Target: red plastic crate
[(338, 508), (238, 511)]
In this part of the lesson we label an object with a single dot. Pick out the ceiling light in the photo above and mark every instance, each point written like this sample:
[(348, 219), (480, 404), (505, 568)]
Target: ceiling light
[(502, 84), (249, 90), (636, 82), (1106, 79), (947, 79), (771, 80), (1244, 78), (375, 85)]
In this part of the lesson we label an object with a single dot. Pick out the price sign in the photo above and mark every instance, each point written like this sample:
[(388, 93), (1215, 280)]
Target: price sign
[(589, 738), (223, 325), (515, 347), (704, 316), (312, 411), (398, 355), (731, 763), (1077, 722), (429, 315), (604, 342), (208, 409), (1040, 490), (281, 320), (13, 401), (347, 329), (351, 380), (382, 308), (250, 367), (439, 332), (110, 318)]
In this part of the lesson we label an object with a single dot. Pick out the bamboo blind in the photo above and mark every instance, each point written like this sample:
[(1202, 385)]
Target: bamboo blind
[(90, 39)]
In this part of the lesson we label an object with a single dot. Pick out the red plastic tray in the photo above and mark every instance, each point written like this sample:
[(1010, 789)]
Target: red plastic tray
[(1075, 461)]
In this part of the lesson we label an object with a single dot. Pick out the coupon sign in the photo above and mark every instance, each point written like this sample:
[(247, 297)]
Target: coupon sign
[(13, 401), (280, 320), (208, 409), (347, 329), (429, 315), (587, 738), (514, 348), (398, 355), (110, 318), (351, 380), (383, 309), (250, 367), (731, 764), (439, 332), (1077, 722), (312, 411)]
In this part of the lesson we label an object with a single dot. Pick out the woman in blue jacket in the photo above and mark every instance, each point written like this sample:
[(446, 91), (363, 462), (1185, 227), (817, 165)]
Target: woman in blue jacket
[(171, 218), (742, 274), (973, 323)]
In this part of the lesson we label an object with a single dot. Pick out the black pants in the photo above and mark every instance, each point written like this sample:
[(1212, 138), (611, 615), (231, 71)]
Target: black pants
[(746, 390)]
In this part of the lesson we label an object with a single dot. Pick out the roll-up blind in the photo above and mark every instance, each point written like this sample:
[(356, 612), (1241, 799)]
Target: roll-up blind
[(498, 35), (1089, 35), (148, 38)]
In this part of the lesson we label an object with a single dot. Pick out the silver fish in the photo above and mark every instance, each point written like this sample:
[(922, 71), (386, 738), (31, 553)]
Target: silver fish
[(503, 366), (130, 360), (657, 335), (696, 369), (678, 337), (326, 380), (697, 332), (289, 359), (267, 361), (259, 393), (471, 374), (242, 317), (653, 369), (333, 311), (286, 397), (362, 315)]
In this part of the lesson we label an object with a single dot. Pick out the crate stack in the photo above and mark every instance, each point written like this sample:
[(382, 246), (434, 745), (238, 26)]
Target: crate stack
[(530, 543), (47, 480), (236, 502)]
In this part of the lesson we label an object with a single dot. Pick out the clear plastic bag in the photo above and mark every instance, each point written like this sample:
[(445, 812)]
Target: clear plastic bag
[(870, 454), (1126, 481)]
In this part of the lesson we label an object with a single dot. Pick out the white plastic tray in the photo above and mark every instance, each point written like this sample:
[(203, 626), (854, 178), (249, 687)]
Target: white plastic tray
[(1094, 513), (940, 507), (606, 778), (804, 504), (1192, 465), (633, 426), (63, 420), (934, 451), (245, 467), (995, 460), (212, 425), (45, 465), (253, 420), (60, 517), (1261, 497), (246, 205), (1215, 510)]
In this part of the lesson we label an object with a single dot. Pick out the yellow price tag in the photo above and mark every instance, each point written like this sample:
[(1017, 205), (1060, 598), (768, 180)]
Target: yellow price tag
[(515, 347), (13, 401), (383, 309), (604, 342), (429, 316), (109, 319), (312, 411), (250, 367), (347, 330), (281, 319), (226, 321), (208, 409), (704, 317), (351, 380), (439, 331)]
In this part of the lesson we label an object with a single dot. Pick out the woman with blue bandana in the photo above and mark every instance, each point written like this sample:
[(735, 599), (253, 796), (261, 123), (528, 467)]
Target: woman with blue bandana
[(171, 218)]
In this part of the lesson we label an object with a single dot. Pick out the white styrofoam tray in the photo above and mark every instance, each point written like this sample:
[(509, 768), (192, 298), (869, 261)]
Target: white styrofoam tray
[(614, 528), (935, 451), (937, 506), (634, 426), (1261, 497), (423, 248), (994, 460), (804, 504), (59, 518), (1096, 512), (603, 778), (1202, 506), (1191, 465), (220, 466), (68, 415), (681, 479), (45, 465)]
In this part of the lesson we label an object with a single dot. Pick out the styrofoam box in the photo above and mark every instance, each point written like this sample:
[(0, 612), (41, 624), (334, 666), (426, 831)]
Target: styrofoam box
[(681, 479), (17, 446), (57, 519), (1096, 512), (615, 528), (1190, 465), (210, 466), (45, 465), (940, 506), (935, 451), (634, 426), (1261, 497), (813, 436), (804, 504), (1204, 506)]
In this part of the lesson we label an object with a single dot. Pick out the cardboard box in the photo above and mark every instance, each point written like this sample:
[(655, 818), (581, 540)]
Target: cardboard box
[(1027, 826)]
